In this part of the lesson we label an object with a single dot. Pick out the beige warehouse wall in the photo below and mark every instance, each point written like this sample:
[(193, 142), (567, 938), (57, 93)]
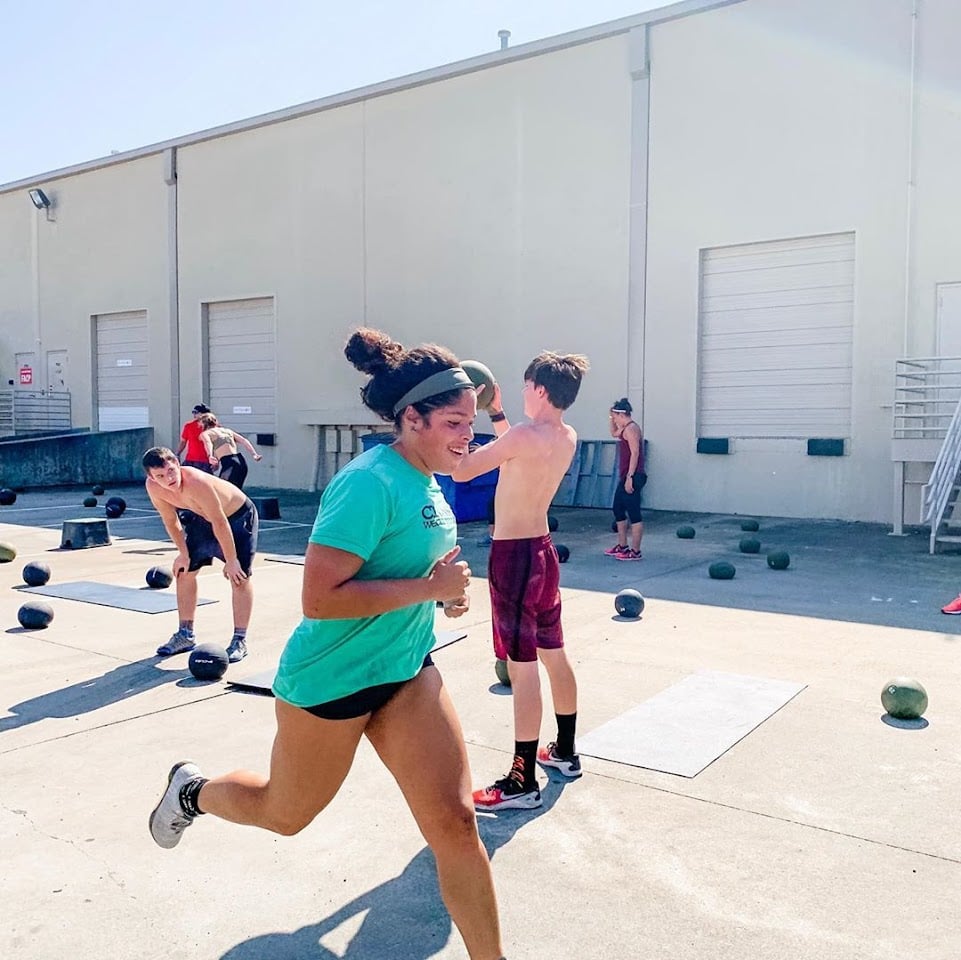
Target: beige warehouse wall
[(773, 120), (17, 314), (937, 200), (488, 212), (278, 212), (497, 217), (105, 250)]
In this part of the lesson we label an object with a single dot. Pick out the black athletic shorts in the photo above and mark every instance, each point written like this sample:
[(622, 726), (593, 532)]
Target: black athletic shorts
[(202, 545), (368, 700)]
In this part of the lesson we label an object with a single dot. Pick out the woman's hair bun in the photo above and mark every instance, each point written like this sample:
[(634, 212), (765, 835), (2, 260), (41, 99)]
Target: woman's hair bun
[(371, 350)]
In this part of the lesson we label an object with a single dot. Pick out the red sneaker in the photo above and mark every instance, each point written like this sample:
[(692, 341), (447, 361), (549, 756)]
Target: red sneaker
[(505, 794), (954, 607), (617, 550)]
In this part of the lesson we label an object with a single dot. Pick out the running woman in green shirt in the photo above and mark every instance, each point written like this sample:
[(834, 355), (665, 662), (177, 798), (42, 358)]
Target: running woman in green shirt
[(382, 553)]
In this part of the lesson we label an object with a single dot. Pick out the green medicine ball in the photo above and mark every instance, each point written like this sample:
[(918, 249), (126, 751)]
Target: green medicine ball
[(721, 570), (500, 669), (778, 560), (750, 545), (750, 526), (481, 376), (685, 533), (904, 698)]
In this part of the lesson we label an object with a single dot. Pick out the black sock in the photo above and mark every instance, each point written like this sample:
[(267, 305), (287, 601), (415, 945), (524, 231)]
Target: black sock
[(187, 627), (189, 796), (566, 722), (525, 752)]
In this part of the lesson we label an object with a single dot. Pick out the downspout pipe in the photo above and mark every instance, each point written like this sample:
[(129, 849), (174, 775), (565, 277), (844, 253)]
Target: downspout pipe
[(911, 172), (173, 289)]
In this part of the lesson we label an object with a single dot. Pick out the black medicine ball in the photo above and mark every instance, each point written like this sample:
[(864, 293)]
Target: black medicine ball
[(159, 577), (35, 615), (208, 661), (36, 574)]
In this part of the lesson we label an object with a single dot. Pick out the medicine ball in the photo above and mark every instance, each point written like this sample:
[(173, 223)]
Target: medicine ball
[(35, 615), (778, 560), (500, 668), (113, 510), (750, 545), (89, 501), (159, 577), (7, 496), (904, 698), (36, 574), (7, 552), (97, 491), (563, 553), (750, 526), (118, 503), (552, 523), (480, 375), (685, 533), (721, 570), (208, 661), (629, 603)]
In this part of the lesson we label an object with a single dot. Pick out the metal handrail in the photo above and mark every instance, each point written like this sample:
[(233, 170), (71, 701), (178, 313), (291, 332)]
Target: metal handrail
[(936, 493), (926, 391)]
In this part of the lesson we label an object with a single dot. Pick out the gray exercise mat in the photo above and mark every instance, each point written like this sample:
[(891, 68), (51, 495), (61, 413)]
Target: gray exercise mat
[(265, 679), (689, 725), (108, 595)]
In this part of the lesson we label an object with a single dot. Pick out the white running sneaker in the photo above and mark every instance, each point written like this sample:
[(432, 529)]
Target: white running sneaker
[(168, 820)]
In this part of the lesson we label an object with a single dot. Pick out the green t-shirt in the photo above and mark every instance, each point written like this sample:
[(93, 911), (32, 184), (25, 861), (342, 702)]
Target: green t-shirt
[(397, 521)]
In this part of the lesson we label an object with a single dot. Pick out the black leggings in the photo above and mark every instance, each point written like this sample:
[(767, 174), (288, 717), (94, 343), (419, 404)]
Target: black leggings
[(233, 469), (628, 505)]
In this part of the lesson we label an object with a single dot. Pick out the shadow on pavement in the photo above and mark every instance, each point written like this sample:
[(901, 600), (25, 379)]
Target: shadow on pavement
[(405, 916), (126, 680)]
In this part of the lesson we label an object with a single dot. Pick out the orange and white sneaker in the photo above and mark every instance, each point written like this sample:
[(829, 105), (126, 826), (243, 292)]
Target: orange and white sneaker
[(508, 793), (954, 607), (569, 767)]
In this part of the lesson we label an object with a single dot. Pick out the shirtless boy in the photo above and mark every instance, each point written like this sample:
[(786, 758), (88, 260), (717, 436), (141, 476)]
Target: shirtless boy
[(523, 571), (206, 517)]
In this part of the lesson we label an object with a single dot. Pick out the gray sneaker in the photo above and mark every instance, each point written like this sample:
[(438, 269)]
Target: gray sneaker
[(180, 642), (237, 650), (168, 820)]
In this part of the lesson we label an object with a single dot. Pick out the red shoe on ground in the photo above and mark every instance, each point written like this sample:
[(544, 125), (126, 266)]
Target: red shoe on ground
[(954, 607)]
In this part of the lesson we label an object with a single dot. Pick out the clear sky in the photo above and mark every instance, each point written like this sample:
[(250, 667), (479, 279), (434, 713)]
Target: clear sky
[(82, 78)]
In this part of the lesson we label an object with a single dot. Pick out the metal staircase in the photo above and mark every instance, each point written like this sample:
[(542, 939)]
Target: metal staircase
[(940, 493)]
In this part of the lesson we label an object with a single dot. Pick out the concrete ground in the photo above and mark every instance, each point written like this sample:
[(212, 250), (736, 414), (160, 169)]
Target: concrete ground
[(824, 833)]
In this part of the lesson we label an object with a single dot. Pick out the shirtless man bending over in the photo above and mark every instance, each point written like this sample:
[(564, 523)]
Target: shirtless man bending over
[(206, 517), (523, 571)]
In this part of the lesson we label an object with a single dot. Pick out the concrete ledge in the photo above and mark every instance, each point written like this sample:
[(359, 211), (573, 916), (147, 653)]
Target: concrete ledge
[(108, 457)]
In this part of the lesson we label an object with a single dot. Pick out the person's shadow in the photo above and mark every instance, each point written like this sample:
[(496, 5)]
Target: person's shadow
[(126, 680), (405, 916)]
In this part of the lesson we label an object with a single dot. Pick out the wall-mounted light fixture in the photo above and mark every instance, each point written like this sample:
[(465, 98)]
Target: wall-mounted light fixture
[(40, 200)]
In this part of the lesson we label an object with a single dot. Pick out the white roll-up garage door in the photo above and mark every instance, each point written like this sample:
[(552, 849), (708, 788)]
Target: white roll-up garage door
[(775, 347), (122, 372), (241, 369)]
